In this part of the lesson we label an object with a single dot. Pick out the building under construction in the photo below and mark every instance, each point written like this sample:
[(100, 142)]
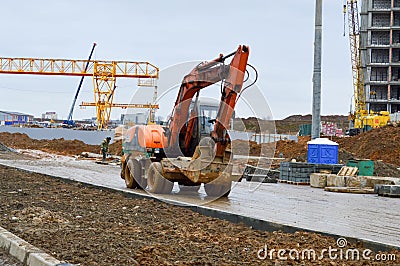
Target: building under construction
[(380, 46)]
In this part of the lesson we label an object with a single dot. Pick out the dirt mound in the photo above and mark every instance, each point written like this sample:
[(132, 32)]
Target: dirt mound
[(378, 144), (4, 147), (243, 147), (115, 148), (58, 146), (291, 149)]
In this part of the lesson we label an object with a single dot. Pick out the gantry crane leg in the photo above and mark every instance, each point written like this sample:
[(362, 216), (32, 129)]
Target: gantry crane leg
[(104, 86)]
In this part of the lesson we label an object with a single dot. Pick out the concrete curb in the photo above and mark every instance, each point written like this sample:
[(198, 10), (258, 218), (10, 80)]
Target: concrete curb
[(24, 252)]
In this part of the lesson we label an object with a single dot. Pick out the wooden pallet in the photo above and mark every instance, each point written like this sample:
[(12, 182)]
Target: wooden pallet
[(348, 171), (294, 183)]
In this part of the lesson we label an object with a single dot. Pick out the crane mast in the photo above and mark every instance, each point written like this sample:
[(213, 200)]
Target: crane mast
[(356, 64), (69, 120)]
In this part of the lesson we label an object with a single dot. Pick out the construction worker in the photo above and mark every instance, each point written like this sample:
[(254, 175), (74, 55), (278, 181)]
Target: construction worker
[(104, 147)]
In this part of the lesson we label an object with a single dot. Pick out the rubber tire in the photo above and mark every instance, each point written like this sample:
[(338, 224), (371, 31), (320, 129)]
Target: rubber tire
[(218, 190), (156, 182), (131, 170), (146, 165), (122, 174), (133, 175), (140, 178)]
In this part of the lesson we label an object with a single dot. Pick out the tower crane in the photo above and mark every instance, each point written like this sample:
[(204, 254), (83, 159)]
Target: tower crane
[(356, 65), (104, 75), (360, 119)]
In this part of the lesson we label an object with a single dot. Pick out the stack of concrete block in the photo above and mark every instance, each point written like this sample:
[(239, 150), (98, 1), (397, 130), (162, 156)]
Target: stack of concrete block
[(336, 181), (354, 181), (388, 190), (372, 181), (319, 180)]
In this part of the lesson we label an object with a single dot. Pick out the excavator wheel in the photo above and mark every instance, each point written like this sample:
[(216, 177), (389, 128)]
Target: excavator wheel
[(156, 182), (133, 175), (123, 168), (146, 165), (122, 174), (218, 190)]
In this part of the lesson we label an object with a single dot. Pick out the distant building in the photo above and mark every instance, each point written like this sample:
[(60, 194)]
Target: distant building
[(14, 118), (137, 119), (50, 115), (380, 48)]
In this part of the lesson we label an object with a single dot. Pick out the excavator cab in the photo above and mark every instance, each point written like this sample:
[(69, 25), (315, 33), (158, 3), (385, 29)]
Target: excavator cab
[(208, 111), (204, 112)]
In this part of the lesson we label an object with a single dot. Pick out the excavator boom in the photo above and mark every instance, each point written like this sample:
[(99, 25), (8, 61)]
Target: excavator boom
[(202, 76)]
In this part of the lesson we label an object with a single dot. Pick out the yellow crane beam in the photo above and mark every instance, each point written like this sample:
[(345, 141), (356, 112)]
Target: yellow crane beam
[(104, 76), (69, 67), (124, 105)]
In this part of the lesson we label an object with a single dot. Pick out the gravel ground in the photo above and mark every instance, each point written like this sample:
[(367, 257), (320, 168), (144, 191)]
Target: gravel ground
[(89, 226)]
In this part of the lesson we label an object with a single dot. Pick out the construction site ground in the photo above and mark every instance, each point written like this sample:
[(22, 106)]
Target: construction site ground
[(97, 227), (92, 226)]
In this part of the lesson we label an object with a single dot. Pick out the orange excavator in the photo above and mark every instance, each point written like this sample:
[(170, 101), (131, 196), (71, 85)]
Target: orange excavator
[(194, 147)]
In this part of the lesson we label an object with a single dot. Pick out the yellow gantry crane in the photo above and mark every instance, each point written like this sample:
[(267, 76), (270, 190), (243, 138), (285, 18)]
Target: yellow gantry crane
[(104, 75)]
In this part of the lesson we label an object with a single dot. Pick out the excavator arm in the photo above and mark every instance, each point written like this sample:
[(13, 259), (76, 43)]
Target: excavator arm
[(232, 88), (202, 76)]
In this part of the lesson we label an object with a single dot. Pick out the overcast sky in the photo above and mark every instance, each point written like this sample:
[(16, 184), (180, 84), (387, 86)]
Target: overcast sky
[(280, 35)]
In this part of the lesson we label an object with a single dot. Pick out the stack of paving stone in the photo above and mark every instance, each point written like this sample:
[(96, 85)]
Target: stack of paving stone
[(301, 172), (388, 190)]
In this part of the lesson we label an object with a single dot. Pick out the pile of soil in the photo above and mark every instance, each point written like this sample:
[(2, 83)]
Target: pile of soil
[(243, 147), (57, 146), (378, 144), (115, 148), (291, 149), (283, 148), (4, 147), (288, 125), (88, 226)]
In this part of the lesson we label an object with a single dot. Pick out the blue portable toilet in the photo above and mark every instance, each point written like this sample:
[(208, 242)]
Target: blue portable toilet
[(322, 151)]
